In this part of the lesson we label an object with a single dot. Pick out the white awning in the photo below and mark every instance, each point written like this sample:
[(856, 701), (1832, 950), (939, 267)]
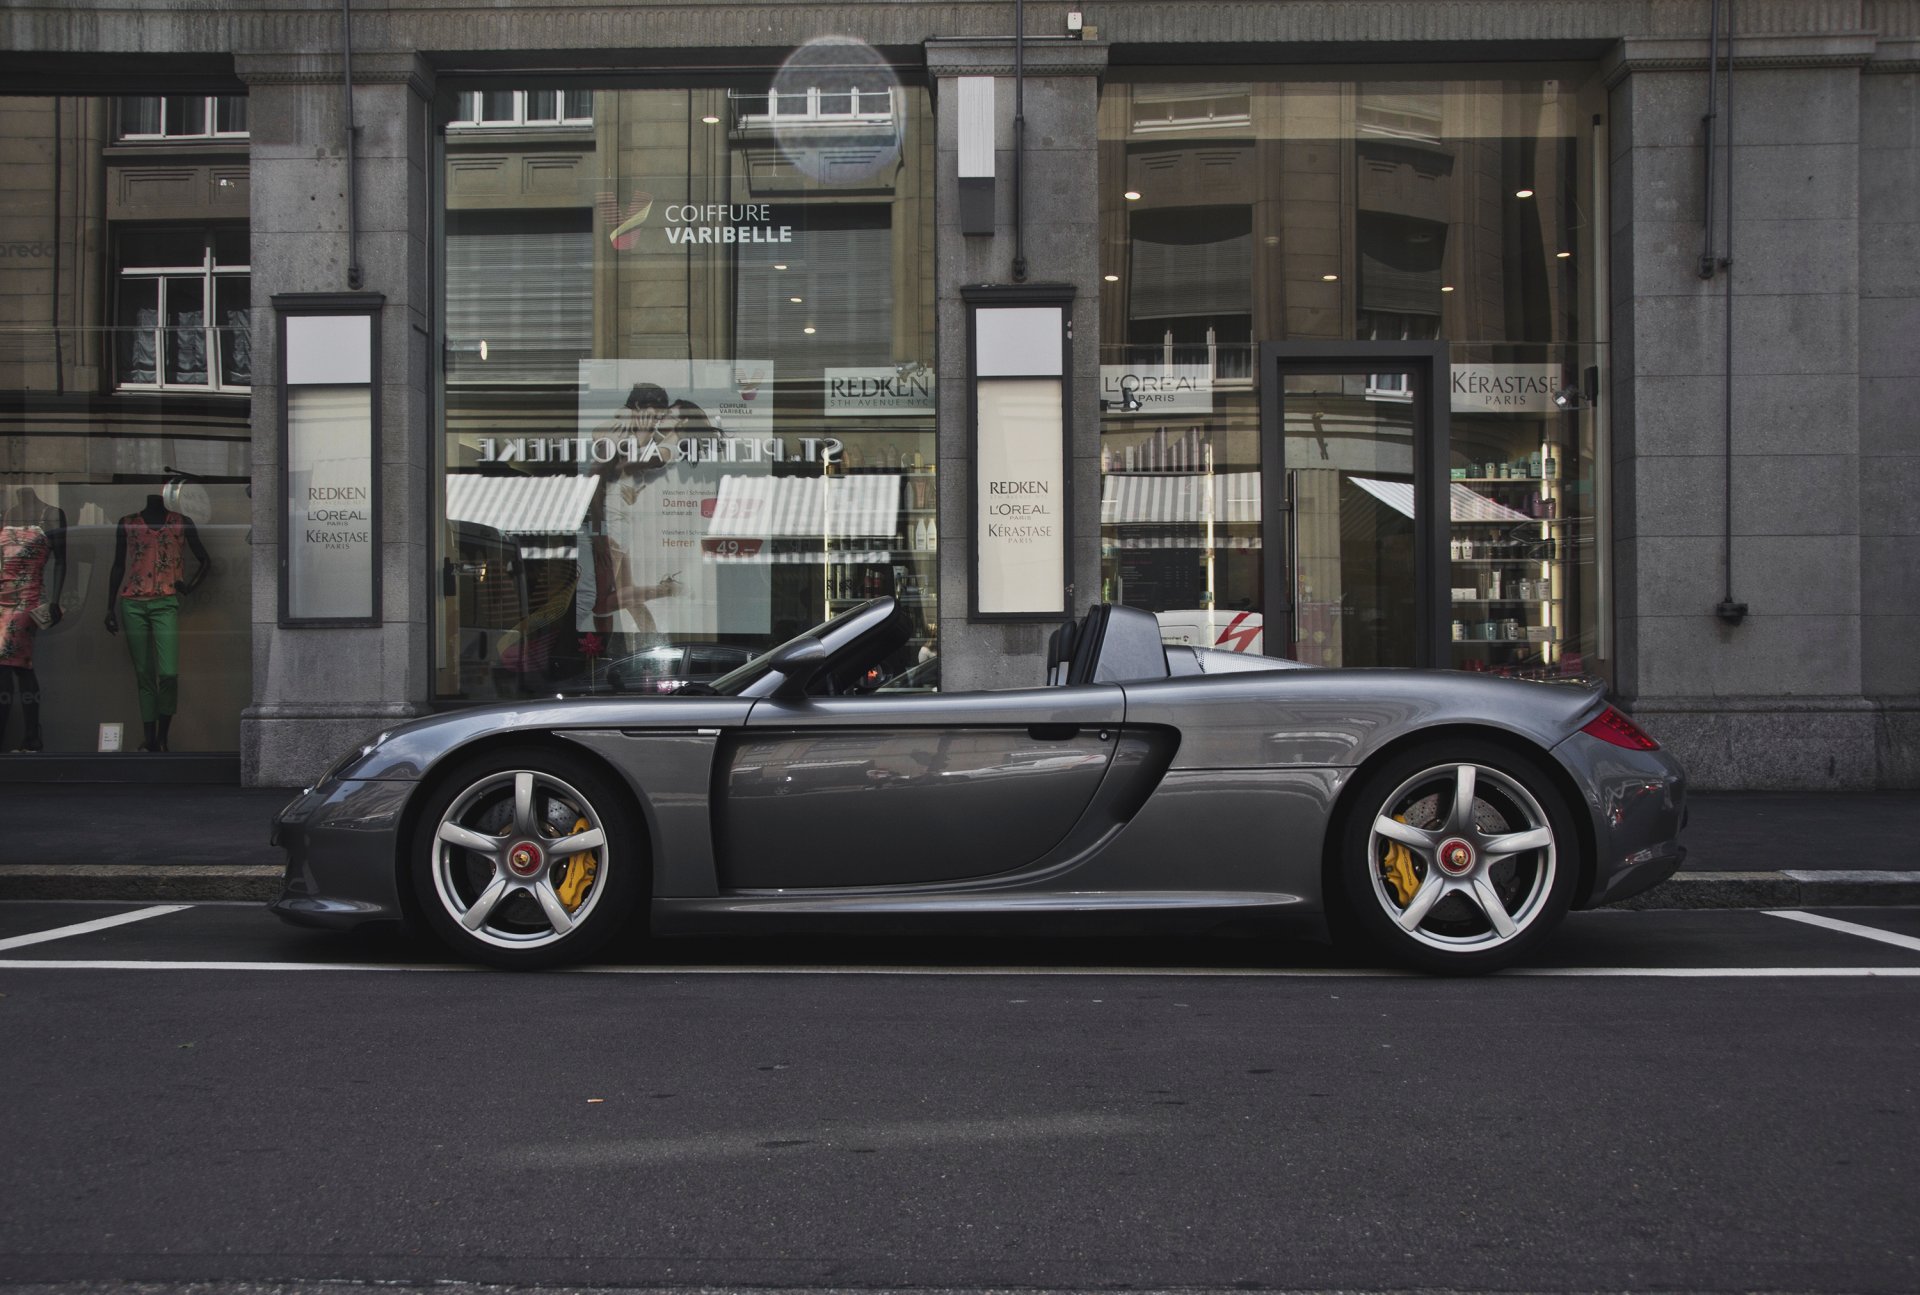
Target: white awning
[(862, 505), (1465, 505), (1178, 498), (528, 509)]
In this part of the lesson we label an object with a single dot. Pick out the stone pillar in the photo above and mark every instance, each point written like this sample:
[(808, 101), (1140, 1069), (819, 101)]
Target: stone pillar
[(1889, 397), (318, 690), (1775, 701), (1061, 245)]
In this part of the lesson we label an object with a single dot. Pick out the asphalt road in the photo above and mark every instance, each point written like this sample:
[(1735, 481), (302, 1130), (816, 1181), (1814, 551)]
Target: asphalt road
[(1700, 1101)]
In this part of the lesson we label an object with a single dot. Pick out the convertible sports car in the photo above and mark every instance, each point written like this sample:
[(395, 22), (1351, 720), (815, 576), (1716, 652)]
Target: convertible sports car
[(1451, 819)]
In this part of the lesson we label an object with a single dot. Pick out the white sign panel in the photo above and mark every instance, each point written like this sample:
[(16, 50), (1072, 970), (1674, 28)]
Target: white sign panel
[(1020, 526), (330, 553), (1149, 391), (1505, 388), (878, 393)]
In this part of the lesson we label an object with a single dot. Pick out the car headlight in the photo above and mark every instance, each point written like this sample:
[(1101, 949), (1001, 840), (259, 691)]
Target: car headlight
[(339, 767)]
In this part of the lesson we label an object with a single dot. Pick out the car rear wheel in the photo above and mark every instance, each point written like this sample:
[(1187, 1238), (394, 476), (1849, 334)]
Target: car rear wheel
[(527, 858), (1458, 857)]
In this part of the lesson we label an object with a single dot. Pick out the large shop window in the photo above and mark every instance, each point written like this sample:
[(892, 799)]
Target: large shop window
[(125, 448), (1306, 208), (688, 389)]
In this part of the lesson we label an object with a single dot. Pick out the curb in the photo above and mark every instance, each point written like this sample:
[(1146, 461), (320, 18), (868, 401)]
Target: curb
[(170, 882), (1792, 888), (1789, 889)]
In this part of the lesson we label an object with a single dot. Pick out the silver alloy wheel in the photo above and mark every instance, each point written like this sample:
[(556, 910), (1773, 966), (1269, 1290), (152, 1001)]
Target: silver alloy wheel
[(501, 850), (1482, 851)]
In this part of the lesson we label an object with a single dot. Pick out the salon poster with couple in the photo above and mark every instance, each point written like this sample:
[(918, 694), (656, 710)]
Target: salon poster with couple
[(675, 540)]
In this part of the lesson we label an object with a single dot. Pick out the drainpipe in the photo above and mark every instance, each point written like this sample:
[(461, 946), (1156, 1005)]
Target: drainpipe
[(1728, 609), (59, 346), (1019, 134), (346, 115)]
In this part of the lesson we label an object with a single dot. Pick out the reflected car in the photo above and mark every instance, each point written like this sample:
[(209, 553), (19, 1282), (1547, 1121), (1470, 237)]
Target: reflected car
[(1448, 819), (662, 668)]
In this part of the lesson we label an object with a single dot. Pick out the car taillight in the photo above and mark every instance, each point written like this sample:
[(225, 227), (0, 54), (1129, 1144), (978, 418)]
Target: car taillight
[(1611, 726)]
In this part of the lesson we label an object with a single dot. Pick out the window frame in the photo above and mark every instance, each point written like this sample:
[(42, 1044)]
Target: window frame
[(209, 275), (471, 103), (209, 121)]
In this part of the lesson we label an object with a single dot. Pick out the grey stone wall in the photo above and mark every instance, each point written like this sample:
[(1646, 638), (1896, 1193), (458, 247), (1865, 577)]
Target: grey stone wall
[(1061, 245), (318, 690), (1890, 405)]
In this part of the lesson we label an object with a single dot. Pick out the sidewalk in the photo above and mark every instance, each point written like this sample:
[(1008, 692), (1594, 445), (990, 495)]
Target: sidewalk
[(197, 842)]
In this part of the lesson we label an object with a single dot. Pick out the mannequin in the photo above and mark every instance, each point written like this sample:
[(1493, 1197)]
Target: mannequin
[(146, 585), (33, 564)]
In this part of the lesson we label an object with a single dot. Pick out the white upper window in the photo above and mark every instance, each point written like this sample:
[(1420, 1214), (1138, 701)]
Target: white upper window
[(474, 109), (181, 116)]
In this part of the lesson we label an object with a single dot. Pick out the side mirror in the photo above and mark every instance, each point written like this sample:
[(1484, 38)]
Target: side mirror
[(797, 663)]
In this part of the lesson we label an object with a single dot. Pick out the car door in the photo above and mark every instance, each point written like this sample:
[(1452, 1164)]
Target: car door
[(890, 789)]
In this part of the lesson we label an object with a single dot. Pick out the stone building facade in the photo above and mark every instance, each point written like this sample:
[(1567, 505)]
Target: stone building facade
[(1668, 270)]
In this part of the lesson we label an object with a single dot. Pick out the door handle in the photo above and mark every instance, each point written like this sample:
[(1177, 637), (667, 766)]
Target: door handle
[(1053, 732)]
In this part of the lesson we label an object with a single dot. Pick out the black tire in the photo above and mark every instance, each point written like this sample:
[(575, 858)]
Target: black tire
[(523, 904), (1432, 906)]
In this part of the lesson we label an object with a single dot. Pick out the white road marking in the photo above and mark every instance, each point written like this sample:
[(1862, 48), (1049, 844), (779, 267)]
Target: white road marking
[(1848, 928), (97, 924), (1269, 973)]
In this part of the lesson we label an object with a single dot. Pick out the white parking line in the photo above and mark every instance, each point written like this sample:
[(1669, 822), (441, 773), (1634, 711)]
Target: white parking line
[(1849, 928), (1266, 973), (97, 924)]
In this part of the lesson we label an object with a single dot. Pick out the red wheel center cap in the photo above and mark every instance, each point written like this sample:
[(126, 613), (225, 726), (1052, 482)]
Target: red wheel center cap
[(525, 858), (1456, 857)]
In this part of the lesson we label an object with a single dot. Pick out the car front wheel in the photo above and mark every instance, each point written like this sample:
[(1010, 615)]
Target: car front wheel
[(527, 858), (1458, 858)]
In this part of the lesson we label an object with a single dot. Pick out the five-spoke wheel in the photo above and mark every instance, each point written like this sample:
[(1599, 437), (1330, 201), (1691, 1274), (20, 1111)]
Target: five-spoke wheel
[(525, 858), (1457, 857)]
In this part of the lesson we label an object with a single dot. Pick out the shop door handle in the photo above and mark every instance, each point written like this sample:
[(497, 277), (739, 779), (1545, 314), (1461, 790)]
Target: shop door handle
[(1053, 732)]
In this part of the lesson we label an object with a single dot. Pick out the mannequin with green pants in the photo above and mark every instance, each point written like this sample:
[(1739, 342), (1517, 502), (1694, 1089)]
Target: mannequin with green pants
[(144, 589)]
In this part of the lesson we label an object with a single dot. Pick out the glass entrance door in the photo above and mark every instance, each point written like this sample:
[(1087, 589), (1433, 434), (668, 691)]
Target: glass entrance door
[(1355, 441)]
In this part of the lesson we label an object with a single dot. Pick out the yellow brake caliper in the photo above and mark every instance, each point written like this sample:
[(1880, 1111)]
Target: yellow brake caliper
[(579, 874), (1398, 869)]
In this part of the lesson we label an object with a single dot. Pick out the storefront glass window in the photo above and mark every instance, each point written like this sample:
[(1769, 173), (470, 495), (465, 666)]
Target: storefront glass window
[(125, 368), (1311, 208), (688, 378)]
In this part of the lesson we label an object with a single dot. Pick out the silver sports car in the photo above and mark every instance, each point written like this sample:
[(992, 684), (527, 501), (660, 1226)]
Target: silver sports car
[(1450, 819)]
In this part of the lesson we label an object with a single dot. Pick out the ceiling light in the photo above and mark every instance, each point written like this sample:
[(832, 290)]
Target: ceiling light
[(1523, 193), (1111, 278), (1563, 255), (483, 348), (1131, 195), (808, 330), (1446, 287), (795, 300), (780, 265), (711, 120), (1329, 278)]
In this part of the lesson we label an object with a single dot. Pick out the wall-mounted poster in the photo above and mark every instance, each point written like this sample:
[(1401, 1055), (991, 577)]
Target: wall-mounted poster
[(660, 437), (332, 499), (1022, 518)]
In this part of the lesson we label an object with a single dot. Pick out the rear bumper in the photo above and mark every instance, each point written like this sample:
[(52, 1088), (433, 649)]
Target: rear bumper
[(1638, 803), (343, 849)]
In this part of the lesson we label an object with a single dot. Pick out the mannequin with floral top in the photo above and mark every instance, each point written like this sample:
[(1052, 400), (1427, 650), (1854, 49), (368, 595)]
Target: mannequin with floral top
[(33, 563), (145, 588)]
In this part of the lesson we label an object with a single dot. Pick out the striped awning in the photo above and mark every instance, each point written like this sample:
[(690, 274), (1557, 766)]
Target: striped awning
[(1466, 505), (862, 505), (1173, 498), (523, 507)]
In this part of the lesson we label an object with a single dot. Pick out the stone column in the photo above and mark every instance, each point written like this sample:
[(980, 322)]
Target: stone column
[(1889, 399), (1061, 245), (1774, 701), (316, 691)]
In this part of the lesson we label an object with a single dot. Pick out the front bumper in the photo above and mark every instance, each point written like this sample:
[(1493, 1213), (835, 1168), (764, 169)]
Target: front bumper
[(1638, 804), (343, 849)]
